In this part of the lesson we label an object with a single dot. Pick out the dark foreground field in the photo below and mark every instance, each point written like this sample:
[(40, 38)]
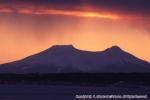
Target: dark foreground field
[(74, 78), (67, 86), (50, 92)]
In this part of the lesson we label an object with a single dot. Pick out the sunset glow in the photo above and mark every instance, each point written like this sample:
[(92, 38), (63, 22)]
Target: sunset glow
[(29, 27), (61, 12)]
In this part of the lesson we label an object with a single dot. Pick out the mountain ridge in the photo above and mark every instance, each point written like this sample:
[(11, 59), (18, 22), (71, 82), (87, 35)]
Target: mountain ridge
[(68, 59)]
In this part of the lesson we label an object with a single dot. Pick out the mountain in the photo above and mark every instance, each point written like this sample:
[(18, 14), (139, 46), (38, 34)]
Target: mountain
[(68, 59)]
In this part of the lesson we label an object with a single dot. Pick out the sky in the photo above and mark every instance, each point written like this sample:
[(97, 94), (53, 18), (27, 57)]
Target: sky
[(30, 26)]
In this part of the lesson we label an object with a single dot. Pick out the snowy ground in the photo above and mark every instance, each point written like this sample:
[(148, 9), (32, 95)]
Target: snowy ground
[(48, 92)]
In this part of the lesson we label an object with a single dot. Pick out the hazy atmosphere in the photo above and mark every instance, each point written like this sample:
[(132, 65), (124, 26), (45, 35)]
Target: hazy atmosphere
[(30, 26)]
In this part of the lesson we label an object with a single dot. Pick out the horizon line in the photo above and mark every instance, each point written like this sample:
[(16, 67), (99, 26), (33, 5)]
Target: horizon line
[(72, 46)]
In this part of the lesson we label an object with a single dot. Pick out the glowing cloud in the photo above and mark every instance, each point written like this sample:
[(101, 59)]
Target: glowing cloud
[(5, 10), (74, 13), (30, 26)]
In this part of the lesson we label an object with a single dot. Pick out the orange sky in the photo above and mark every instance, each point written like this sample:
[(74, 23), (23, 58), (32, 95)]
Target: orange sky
[(24, 33)]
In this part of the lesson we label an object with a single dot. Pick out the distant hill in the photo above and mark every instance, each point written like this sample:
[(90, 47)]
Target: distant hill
[(67, 59)]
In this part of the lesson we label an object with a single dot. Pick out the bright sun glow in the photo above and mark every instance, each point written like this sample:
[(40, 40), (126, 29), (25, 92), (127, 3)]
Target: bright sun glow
[(98, 15)]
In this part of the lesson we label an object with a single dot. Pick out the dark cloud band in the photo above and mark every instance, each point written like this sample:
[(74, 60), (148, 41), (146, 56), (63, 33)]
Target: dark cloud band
[(124, 7)]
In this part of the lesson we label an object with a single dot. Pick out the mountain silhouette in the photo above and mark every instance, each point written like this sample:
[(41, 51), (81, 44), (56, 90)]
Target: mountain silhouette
[(68, 59)]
